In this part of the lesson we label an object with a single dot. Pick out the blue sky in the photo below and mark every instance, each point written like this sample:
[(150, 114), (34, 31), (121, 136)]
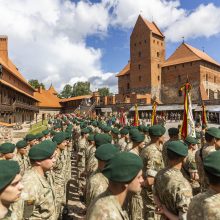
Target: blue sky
[(63, 42)]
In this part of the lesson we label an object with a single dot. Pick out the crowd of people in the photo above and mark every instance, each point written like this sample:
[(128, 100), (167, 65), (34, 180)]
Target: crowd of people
[(123, 172)]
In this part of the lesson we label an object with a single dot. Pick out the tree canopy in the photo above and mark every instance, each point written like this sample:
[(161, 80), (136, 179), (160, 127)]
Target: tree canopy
[(104, 91), (66, 92), (36, 84), (81, 88)]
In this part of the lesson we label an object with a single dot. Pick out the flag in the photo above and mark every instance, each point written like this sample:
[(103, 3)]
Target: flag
[(204, 118), (188, 126), (154, 114), (122, 118), (136, 116)]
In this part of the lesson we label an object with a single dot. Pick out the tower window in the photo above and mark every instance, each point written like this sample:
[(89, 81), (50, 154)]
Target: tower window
[(157, 42), (179, 78), (128, 86), (183, 65), (206, 77), (139, 53), (158, 78), (135, 44), (139, 66), (139, 78), (158, 66), (161, 44), (158, 54), (145, 41), (214, 79)]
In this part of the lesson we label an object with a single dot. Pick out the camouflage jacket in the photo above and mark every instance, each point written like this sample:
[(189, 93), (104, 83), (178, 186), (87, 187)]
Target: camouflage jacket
[(23, 162), (106, 207), (205, 206), (122, 144), (173, 190)]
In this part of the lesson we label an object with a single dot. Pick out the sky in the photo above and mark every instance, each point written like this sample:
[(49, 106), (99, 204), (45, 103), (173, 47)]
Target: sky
[(63, 42)]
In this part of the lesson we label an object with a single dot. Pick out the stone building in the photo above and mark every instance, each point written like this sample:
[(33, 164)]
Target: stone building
[(17, 101), (148, 75)]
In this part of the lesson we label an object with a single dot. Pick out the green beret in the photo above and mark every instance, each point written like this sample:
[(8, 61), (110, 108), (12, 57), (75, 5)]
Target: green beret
[(173, 131), (21, 144), (102, 139), (214, 132), (123, 167), (146, 129), (39, 135), (82, 125), (94, 123), (85, 131), (178, 147), (106, 151), (46, 132), (6, 148), (191, 140), (57, 126), (141, 128), (68, 135), (90, 129), (137, 137), (59, 137), (157, 130), (30, 137), (52, 132), (124, 131), (133, 130), (106, 128), (42, 151), (91, 137), (211, 163), (8, 171), (115, 131)]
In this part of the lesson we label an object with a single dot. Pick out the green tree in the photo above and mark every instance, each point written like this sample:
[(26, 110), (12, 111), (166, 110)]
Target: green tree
[(66, 92), (81, 88), (36, 84), (104, 91)]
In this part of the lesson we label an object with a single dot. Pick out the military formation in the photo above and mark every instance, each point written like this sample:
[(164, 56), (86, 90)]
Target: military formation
[(123, 172)]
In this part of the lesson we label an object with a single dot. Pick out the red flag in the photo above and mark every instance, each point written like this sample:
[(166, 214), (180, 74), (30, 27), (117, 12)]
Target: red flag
[(122, 118)]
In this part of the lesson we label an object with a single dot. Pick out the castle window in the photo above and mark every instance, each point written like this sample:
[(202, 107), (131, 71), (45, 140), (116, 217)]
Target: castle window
[(158, 54), (161, 44), (179, 78), (128, 86), (191, 64), (157, 42), (139, 66), (145, 41), (139, 78), (206, 77), (139, 53), (153, 41), (135, 44), (158, 66), (180, 93), (214, 79), (175, 66), (183, 65), (158, 78)]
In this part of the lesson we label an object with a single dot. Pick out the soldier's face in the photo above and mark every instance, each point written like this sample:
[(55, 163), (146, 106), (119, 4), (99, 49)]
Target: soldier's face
[(23, 151), (9, 156), (48, 163), (217, 144), (135, 184), (12, 192)]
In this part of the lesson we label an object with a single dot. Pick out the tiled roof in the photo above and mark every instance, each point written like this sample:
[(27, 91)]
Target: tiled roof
[(13, 69), (47, 99), (52, 90), (124, 71), (186, 53), (76, 98), (153, 27), (17, 89)]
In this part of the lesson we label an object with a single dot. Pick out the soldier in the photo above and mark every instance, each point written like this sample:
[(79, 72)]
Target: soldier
[(174, 136), (38, 196), (7, 151), (103, 154), (30, 138), (212, 136), (114, 133), (46, 134), (206, 205), (146, 134), (10, 187), (124, 172), (153, 162), (202, 134), (91, 147), (21, 156), (122, 142), (171, 190)]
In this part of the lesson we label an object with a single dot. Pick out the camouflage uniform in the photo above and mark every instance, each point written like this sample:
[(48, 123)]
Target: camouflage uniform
[(153, 162), (205, 206), (23, 162), (96, 179), (173, 191), (92, 163), (106, 207), (129, 146), (164, 153), (199, 157), (146, 140), (122, 144), (38, 196)]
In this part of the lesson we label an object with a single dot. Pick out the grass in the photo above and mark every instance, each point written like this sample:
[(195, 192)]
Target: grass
[(38, 127)]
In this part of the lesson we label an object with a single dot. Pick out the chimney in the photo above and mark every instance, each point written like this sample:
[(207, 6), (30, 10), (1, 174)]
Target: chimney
[(4, 48)]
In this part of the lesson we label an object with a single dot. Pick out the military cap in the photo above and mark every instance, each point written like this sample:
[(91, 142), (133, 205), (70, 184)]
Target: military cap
[(59, 137), (141, 128), (8, 171), (157, 130), (21, 144), (133, 130), (91, 137), (124, 131), (57, 126), (102, 139), (106, 151), (137, 137), (6, 148), (211, 163), (42, 151), (68, 135), (30, 137), (106, 128), (85, 131), (39, 135), (82, 125), (52, 132), (173, 131), (115, 131), (191, 140), (178, 147), (146, 129), (45, 132), (214, 132), (94, 123), (123, 167), (90, 129)]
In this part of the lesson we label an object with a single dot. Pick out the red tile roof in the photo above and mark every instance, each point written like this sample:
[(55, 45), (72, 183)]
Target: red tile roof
[(76, 98), (124, 71)]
